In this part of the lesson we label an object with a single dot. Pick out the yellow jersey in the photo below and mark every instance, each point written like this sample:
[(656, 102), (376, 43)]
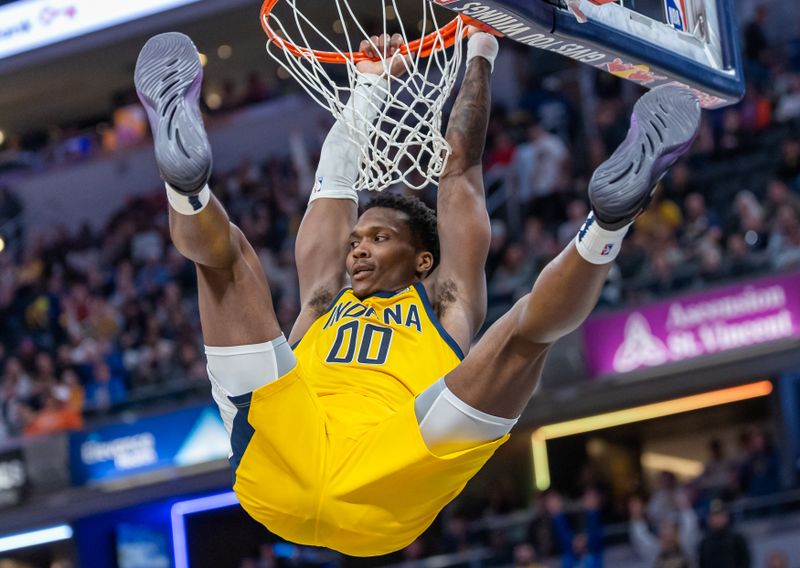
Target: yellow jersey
[(382, 350), (333, 453)]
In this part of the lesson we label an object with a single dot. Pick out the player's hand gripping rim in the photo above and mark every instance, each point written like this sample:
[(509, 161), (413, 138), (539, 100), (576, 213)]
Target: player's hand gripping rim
[(385, 56)]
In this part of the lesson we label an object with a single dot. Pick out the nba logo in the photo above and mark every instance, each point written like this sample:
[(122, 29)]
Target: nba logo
[(317, 186), (676, 14), (607, 250)]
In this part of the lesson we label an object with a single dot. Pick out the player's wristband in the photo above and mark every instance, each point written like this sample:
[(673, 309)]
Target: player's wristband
[(337, 172), (481, 44)]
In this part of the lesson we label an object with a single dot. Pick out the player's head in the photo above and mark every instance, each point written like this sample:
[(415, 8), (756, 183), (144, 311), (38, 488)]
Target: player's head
[(393, 244)]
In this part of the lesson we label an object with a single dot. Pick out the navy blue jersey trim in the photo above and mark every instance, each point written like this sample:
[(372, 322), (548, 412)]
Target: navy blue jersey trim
[(426, 303), (242, 432), (384, 294), (336, 299)]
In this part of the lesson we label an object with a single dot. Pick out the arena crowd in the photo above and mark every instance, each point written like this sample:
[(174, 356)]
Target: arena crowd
[(98, 321)]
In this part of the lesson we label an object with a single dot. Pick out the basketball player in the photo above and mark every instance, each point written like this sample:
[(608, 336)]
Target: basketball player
[(356, 436)]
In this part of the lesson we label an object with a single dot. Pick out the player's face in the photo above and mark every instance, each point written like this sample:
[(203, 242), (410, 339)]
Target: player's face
[(382, 254)]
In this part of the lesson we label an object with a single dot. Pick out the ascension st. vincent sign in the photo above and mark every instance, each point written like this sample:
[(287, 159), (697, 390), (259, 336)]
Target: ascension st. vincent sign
[(690, 326)]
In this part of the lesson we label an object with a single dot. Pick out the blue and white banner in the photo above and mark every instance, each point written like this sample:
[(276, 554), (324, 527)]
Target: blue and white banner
[(13, 478), (185, 437), (30, 24)]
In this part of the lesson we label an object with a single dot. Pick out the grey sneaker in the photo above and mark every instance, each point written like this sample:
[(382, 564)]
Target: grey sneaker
[(664, 124), (168, 78)]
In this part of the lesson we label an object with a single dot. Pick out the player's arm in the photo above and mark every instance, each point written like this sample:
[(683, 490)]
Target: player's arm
[(459, 283), (321, 247)]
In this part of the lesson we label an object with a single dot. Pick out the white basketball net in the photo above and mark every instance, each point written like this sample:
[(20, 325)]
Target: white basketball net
[(404, 144)]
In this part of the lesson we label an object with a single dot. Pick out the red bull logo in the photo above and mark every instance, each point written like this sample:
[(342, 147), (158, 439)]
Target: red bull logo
[(637, 73)]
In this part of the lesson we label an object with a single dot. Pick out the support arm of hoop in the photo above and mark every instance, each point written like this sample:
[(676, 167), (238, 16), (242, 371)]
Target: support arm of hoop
[(340, 156)]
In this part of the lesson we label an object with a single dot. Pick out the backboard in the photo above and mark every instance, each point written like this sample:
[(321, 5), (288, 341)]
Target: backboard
[(694, 43)]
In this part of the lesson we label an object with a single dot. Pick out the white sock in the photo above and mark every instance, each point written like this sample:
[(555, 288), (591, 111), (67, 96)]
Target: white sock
[(598, 245), (188, 205)]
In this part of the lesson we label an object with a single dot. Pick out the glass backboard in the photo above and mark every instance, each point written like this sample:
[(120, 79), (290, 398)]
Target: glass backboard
[(694, 43)]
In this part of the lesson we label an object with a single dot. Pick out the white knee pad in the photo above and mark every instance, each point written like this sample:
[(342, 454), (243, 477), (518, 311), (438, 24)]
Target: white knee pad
[(244, 368), (448, 424)]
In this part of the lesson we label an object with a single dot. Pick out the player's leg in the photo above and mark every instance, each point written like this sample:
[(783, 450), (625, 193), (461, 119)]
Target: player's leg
[(238, 320), (494, 383)]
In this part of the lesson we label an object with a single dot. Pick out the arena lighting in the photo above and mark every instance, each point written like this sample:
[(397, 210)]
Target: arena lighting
[(182, 508), (541, 465), (680, 466), (35, 538)]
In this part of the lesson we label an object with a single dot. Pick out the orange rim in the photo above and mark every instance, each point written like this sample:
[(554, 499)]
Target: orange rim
[(423, 46)]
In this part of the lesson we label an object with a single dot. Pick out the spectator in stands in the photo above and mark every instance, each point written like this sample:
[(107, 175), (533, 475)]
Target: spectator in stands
[(525, 556), (788, 107), (551, 106), (577, 210), (698, 222), (777, 559), (11, 401), (538, 241), (788, 169), (510, 281), (455, 536), (739, 260), (662, 218), (130, 126), (761, 470), (11, 226), (536, 171), (783, 248), (500, 155), (756, 43), (256, 90), (747, 217), (715, 482), (680, 182), (513, 277), (71, 391), (664, 503), (105, 390), (612, 125), (722, 546), (500, 548), (578, 549), (677, 539), (778, 195), (414, 552), (56, 415), (732, 138)]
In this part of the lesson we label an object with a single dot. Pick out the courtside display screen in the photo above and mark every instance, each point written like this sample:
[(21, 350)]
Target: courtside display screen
[(31, 24)]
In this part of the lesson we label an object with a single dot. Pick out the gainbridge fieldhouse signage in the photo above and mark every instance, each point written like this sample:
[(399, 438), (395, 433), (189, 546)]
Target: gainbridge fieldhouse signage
[(692, 326), (182, 438), (30, 24)]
